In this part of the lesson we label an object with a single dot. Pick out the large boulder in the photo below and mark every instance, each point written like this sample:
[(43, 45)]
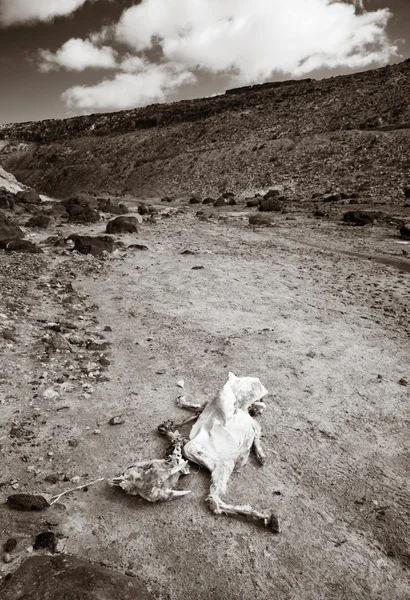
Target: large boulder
[(8, 229), (108, 206), (68, 578), (358, 218), (253, 201), (272, 194), (271, 204), (85, 244), (405, 231), (22, 246), (259, 220), (7, 199), (82, 209), (29, 197), (41, 221), (123, 225)]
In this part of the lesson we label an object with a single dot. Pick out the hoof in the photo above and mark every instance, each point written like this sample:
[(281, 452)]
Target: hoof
[(273, 523)]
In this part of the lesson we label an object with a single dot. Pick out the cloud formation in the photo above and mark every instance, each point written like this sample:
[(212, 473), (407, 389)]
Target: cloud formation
[(249, 40), (254, 39), (150, 83), (25, 11), (78, 55)]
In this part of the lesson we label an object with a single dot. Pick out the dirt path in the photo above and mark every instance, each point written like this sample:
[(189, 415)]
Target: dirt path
[(328, 336)]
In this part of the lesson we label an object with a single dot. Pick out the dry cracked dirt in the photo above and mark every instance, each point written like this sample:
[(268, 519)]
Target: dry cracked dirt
[(317, 309)]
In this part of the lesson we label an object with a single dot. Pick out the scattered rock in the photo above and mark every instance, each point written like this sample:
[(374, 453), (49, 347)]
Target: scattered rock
[(220, 202), (403, 382), (66, 577), (358, 217), (194, 200), (116, 420), (8, 229), (407, 192), (29, 197), (92, 245), (208, 201), (45, 540), (106, 205), (28, 501), (261, 220), (271, 194), (271, 204), (333, 198), (138, 247), (147, 209), (123, 225), (320, 213), (8, 335), (405, 231), (253, 202), (10, 545), (22, 246), (81, 209), (198, 267), (41, 221)]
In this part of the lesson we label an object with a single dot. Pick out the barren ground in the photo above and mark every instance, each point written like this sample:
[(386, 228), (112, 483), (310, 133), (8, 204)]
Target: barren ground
[(326, 331)]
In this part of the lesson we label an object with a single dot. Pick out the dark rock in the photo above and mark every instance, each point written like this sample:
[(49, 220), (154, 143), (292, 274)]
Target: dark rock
[(92, 245), (167, 199), (194, 200), (107, 206), (358, 217), (68, 578), (29, 197), (82, 209), (45, 540), (228, 195), (123, 225), (355, 195), (28, 501), (220, 202), (208, 201), (353, 201), (334, 198), (405, 231), (42, 221), (22, 246), (8, 229), (232, 202), (7, 199), (116, 420), (253, 202), (147, 209), (137, 247), (259, 220), (271, 194), (407, 192), (271, 204), (316, 195), (320, 213), (10, 545)]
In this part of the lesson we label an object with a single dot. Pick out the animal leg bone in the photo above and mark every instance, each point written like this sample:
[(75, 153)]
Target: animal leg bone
[(257, 446), (219, 483)]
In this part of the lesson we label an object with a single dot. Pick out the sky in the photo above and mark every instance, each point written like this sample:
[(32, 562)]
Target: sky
[(61, 58)]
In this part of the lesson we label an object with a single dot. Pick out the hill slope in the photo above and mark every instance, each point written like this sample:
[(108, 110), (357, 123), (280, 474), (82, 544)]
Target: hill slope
[(333, 133)]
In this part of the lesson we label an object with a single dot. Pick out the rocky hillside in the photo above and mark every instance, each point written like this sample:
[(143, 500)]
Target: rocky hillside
[(305, 136)]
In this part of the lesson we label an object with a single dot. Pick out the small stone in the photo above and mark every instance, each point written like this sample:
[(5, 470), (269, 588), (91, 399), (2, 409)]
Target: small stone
[(45, 540), (311, 354), (50, 394), (7, 558), (116, 420), (181, 383), (403, 382), (97, 431), (10, 545), (107, 328)]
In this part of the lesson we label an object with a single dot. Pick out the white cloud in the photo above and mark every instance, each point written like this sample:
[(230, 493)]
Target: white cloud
[(26, 11), (129, 90), (253, 39), (78, 55)]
